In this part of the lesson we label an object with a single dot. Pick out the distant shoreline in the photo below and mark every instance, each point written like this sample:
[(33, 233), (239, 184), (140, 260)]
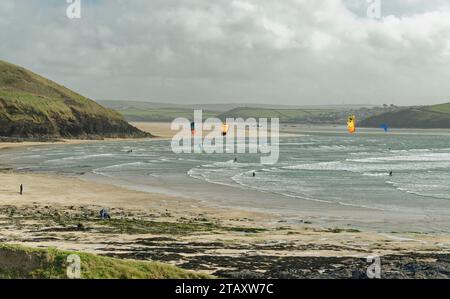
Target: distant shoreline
[(162, 130), (17, 143)]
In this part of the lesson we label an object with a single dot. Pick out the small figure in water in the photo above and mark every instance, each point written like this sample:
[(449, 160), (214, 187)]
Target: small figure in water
[(235, 160), (21, 189), (391, 173), (254, 174)]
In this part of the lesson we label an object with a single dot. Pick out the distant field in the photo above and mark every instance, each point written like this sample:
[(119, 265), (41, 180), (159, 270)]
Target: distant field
[(135, 111), (285, 115), (169, 114), (442, 108), (159, 114)]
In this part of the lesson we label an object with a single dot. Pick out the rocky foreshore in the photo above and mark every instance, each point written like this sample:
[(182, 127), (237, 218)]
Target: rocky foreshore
[(210, 245)]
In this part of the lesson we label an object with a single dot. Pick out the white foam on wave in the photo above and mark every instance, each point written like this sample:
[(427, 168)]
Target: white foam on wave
[(262, 189), (359, 167), (414, 189), (122, 165), (298, 196), (435, 157), (200, 174), (78, 158), (372, 174)]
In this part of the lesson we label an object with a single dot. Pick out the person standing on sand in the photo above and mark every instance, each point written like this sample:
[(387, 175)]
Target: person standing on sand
[(21, 189)]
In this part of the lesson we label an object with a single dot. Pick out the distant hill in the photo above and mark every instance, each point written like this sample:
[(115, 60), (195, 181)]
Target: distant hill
[(155, 112), (426, 117), (160, 112), (294, 115), (34, 107), (219, 108)]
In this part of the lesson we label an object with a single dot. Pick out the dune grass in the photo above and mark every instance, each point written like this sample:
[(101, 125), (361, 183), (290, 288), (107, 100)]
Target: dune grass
[(18, 262)]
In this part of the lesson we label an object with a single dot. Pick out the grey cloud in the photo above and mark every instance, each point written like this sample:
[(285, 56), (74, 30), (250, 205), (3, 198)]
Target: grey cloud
[(292, 51)]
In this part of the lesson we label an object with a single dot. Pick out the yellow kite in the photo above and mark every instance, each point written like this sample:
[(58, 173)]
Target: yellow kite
[(225, 128), (351, 124)]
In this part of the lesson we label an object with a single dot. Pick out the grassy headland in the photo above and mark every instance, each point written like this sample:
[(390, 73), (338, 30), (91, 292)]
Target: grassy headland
[(34, 107)]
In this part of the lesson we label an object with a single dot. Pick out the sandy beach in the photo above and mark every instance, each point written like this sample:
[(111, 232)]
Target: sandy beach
[(62, 212)]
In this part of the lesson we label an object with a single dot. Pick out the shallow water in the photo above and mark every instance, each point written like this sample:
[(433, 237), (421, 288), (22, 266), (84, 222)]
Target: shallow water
[(319, 166)]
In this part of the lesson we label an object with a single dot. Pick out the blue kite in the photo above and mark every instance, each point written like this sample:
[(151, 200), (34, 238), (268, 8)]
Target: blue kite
[(385, 127)]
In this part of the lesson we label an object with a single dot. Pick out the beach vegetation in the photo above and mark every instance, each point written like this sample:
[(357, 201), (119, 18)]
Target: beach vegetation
[(18, 262)]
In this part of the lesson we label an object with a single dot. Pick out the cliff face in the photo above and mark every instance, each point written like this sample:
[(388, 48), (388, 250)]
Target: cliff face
[(34, 107)]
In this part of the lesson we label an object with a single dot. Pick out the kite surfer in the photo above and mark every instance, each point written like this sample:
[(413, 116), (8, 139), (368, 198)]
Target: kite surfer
[(351, 124)]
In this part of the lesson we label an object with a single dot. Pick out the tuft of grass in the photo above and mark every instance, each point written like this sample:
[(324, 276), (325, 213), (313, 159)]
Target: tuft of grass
[(17, 262), (136, 226)]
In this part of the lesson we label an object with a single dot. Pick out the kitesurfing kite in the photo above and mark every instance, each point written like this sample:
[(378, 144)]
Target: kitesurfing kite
[(385, 127), (225, 128), (193, 128), (351, 124)]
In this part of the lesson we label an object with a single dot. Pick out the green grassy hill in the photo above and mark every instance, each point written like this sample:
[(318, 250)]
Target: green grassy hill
[(426, 117), (159, 114), (285, 115), (34, 107), (18, 262), (156, 112)]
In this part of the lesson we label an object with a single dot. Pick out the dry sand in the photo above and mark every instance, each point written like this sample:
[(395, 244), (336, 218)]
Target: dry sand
[(158, 129)]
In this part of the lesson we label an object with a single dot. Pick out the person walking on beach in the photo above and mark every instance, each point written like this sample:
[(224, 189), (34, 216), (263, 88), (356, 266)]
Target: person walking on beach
[(104, 214), (21, 189)]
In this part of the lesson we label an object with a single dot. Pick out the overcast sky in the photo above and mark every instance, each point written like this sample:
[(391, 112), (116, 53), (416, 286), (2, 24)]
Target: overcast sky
[(225, 51)]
